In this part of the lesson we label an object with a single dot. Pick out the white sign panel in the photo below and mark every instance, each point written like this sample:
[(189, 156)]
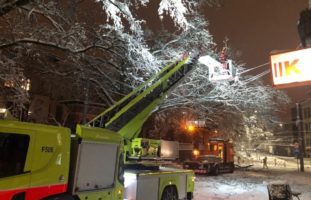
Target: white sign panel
[(217, 70), (291, 68)]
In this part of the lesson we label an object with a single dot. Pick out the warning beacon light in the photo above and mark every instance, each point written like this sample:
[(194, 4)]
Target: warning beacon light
[(291, 69)]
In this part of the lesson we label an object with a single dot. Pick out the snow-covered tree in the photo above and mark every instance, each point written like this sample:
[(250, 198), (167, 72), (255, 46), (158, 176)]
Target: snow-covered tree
[(166, 45), (57, 40), (222, 104), (52, 44), (40, 27), (69, 48), (118, 9)]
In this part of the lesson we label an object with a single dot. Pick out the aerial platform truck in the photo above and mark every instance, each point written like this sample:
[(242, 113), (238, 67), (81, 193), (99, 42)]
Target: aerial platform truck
[(101, 160)]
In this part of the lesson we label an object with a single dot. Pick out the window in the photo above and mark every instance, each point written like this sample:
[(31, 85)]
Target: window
[(13, 153), (212, 147)]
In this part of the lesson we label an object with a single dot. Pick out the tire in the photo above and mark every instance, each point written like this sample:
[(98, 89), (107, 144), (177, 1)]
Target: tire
[(216, 170), (231, 168), (61, 197), (189, 195), (169, 193)]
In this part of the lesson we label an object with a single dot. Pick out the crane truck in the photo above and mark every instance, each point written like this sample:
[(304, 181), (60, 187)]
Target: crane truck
[(217, 156), (101, 160)]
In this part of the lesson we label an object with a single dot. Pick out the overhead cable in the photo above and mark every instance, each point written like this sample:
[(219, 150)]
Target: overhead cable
[(258, 76), (248, 70)]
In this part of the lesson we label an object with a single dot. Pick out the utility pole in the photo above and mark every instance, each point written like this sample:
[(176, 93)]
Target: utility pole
[(300, 138)]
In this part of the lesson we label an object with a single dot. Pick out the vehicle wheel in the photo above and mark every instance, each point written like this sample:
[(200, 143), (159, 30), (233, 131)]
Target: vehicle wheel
[(216, 170), (169, 193), (189, 195), (231, 168), (60, 197)]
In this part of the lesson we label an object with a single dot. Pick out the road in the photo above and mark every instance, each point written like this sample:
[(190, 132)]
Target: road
[(251, 184)]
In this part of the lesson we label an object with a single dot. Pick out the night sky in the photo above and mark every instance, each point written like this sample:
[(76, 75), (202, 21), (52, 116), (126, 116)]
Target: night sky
[(257, 27)]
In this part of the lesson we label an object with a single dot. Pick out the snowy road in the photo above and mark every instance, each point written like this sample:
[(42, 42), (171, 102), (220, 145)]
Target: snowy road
[(251, 184)]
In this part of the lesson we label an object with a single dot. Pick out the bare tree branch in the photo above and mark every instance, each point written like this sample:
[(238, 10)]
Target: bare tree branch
[(7, 5)]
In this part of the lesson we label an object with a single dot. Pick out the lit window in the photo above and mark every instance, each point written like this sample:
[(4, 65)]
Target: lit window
[(2, 110), (25, 84), (9, 83)]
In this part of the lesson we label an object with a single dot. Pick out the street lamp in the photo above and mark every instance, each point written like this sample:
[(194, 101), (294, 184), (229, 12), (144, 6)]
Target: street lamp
[(190, 128)]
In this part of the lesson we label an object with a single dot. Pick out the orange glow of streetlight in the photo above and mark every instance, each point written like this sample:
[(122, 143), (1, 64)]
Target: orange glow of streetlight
[(196, 152), (190, 128)]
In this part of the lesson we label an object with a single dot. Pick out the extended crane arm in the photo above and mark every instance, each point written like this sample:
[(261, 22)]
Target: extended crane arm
[(128, 115)]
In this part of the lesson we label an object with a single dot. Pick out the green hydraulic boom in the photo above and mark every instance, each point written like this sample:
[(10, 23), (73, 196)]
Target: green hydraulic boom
[(128, 115)]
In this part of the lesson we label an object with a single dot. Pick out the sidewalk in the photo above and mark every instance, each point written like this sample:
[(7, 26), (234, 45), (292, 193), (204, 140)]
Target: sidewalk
[(273, 161)]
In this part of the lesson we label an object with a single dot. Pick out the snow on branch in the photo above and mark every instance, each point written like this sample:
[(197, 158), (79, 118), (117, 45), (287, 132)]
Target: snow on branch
[(196, 38), (116, 10), (176, 9), (138, 55)]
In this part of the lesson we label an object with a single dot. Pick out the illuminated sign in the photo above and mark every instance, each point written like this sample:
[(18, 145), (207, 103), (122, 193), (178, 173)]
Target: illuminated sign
[(291, 69)]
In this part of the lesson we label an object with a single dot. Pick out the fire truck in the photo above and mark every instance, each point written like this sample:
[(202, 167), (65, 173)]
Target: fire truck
[(217, 156), (102, 160)]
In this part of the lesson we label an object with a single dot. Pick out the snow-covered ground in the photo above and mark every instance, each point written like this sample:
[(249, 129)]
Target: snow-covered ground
[(251, 184)]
